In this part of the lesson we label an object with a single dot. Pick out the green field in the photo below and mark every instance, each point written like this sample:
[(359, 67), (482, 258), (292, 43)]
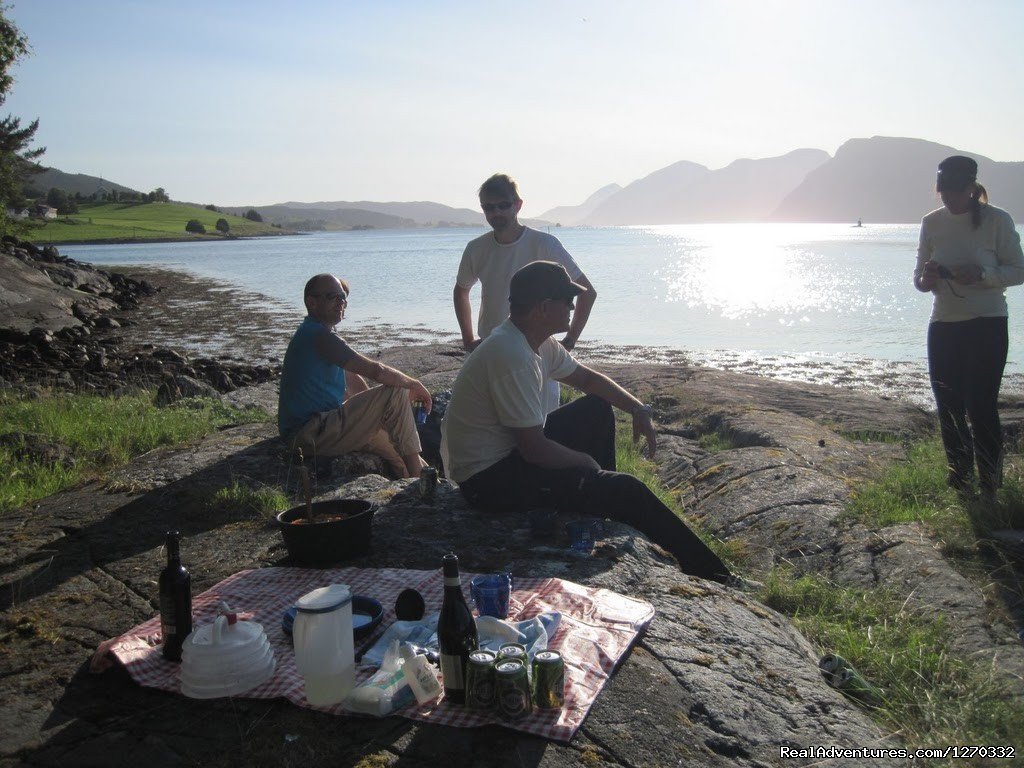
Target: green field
[(142, 221)]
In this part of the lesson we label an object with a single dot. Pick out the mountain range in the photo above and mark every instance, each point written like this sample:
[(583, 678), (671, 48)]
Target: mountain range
[(881, 179), (878, 179)]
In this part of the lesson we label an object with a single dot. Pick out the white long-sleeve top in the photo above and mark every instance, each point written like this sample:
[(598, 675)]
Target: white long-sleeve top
[(951, 240)]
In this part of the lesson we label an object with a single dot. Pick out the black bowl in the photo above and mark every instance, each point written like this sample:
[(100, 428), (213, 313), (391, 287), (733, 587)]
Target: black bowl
[(326, 542)]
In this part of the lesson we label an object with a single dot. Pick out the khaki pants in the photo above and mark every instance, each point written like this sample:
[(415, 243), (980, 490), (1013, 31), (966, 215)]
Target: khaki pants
[(378, 421)]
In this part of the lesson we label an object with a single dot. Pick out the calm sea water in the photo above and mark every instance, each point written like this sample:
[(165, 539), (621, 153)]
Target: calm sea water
[(822, 292)]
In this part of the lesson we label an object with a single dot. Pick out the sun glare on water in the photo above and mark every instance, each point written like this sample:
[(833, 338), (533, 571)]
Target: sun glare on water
[(750, 271)]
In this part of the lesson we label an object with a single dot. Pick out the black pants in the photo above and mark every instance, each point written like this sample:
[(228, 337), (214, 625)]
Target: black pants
[(588, 425), (965, 364)]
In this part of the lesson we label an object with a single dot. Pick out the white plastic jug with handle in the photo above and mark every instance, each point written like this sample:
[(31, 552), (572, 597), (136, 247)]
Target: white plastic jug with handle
[(324, 653)]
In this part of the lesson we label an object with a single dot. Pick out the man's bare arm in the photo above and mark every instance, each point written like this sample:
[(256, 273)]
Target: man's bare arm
[(464, 316), (595, 383), (584, 303), (388, 376)]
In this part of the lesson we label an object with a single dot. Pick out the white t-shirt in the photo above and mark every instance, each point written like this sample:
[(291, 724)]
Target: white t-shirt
[(951, 240), (493, 264), (498, 389)]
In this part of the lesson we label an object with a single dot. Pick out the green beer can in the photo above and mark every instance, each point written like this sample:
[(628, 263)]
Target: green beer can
[(841, 675), (480, 680), (513, 689), (512, 651), (548, 680)]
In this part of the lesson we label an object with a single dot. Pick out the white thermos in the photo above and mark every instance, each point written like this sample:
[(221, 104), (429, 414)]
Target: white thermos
[(324, 652)]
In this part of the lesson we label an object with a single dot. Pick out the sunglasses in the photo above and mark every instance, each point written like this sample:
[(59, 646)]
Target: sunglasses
[(569, 301), (342, 297), (504, 205)]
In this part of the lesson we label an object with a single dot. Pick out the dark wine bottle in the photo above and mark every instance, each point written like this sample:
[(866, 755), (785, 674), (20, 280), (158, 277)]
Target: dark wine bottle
[(175, 600), (456, 633)]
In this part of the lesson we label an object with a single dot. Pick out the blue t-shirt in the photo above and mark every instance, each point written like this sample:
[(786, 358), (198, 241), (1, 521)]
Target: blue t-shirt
[(309, 384)]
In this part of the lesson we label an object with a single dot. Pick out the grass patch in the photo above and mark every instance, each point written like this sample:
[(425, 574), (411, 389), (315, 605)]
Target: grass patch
[(915, 491), (870, 436), (930, 696), (240, 500), (101, 433), (716, 442), (142, 221), (629, 459)]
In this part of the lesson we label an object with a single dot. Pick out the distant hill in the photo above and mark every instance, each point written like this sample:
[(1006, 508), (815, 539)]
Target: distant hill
[(574, 214), (292, 216), (130, 222), (881, 179), (888, 179), (423, 213), (745, 190), (39, 184)]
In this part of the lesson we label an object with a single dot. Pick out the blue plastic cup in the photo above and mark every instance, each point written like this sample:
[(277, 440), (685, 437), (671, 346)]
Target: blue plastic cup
[(490, 593), (581, 535)]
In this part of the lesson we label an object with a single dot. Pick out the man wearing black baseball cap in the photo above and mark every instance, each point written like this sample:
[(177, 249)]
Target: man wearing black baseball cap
[(504, 455)]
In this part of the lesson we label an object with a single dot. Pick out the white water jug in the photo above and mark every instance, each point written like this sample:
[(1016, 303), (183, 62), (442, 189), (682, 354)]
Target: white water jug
[(323, 640)]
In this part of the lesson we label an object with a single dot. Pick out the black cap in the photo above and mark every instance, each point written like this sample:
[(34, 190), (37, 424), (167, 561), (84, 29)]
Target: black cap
[(957, 172), (542, 280)]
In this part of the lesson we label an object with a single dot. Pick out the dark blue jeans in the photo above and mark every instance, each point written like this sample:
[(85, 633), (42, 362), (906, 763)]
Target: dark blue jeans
[(965, 364), (588, 425)]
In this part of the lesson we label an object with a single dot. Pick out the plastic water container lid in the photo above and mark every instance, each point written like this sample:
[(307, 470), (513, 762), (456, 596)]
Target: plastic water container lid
[(324, 599)]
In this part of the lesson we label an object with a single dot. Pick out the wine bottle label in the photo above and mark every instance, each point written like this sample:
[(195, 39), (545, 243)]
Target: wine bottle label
[(451, 670), (452, 581), (166, 629)]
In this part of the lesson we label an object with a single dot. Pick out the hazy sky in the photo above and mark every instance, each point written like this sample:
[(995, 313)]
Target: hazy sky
[(263, 102)]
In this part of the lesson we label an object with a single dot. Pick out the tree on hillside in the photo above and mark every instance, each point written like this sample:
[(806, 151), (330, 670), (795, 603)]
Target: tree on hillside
[(158, 195), (222, 226), (195, 226), (253, 215), (62, 201), (16, 158)]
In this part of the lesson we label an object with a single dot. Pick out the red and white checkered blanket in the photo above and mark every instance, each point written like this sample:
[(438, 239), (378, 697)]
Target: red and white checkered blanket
[(596, 629)]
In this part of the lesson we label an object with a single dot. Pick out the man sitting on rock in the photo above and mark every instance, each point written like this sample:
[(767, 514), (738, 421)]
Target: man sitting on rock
[(503, 454), (326, 408)]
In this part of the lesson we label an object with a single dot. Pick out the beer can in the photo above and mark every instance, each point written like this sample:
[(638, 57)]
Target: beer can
[(841, 675), (548, 680), (512, 651), (428, 484), (481, 680), (513, 689)]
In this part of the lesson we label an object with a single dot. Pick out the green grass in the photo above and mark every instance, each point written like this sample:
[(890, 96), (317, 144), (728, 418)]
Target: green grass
[(247, 500), (915, 491), (102, 433), (930, 696), (630, 459), (141, 221)]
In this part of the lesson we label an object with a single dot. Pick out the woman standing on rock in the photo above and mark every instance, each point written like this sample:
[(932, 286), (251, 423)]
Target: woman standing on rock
[(969, 253)]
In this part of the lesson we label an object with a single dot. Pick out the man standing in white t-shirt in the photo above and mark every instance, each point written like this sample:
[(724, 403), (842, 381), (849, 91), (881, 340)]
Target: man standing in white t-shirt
[(494, 257)]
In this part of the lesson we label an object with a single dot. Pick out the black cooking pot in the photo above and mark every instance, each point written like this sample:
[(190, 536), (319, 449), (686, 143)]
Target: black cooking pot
[(327, 541)]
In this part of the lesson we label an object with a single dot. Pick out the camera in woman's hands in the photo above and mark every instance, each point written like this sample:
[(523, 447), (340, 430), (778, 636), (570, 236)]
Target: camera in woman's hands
[(944, 272)]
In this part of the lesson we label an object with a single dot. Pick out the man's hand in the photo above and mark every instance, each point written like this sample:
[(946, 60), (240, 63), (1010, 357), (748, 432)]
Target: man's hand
[(644, 427), (418, 392), (470, 345), (568, 343)]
